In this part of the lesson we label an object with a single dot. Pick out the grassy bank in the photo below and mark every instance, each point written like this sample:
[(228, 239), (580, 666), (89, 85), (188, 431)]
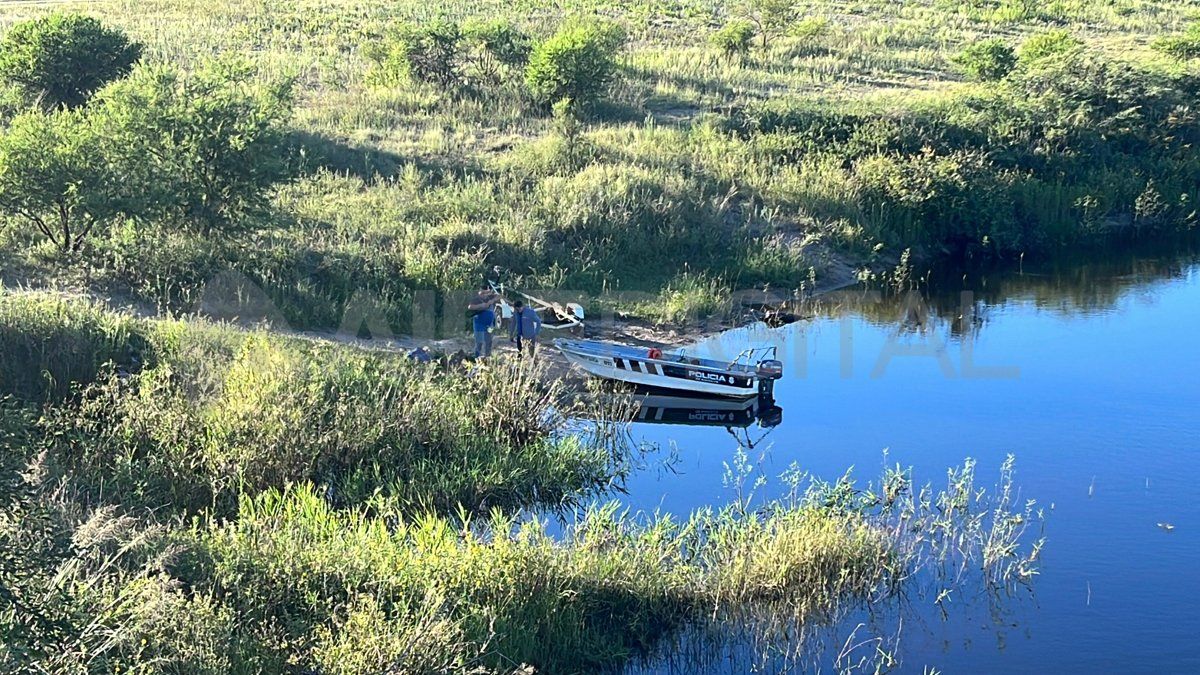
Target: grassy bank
[(293, 584), (188, 417), (187, 497), (855, 133)]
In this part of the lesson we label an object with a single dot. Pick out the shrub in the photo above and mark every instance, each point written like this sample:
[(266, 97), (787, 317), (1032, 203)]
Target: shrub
[(954, 202), (455, 58), (987, 60), (1182, 47), (770, 17), (577, 63), (1047, 44), (428, 53), (810, 29), (216, 138), (63, 58), (573, 149), (1091, 107), (495, 46), (734, 39), (58, 174)]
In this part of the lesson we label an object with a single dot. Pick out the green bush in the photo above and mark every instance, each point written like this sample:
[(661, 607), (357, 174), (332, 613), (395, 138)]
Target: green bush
[(202, 149), (217, 137), (61, 175), (63, 58), (1047, 44), (954, 204), (1098, 111), (987, 60), (734, 38), (496, 46), (458, 59), (810, 28), (431, 52), (577, 63)]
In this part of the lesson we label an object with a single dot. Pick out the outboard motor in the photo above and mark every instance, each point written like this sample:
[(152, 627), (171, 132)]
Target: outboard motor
[(770, 416), (767, 372)]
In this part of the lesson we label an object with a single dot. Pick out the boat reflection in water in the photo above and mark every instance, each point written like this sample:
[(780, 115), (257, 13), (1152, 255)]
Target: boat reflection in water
[(708, 412)]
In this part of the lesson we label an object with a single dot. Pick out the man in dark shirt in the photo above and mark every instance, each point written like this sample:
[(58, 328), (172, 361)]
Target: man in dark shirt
[(484, 319), (525, 328)]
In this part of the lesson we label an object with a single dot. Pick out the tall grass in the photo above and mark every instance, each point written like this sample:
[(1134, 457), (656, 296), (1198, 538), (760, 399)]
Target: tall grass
[(293, 582), (213, 413), (50, 345)]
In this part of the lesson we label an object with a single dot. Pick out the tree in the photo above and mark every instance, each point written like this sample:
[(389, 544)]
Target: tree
[(734, 38), (770, 17), (986, 60), (577, 63), (207, 145), (64, 58), (58, 174)]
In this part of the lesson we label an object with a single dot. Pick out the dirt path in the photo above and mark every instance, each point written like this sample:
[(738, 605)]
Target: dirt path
[(749, 307)]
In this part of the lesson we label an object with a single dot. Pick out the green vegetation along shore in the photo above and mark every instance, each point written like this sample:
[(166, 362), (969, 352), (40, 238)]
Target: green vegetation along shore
[(182, 497), (346, 156)]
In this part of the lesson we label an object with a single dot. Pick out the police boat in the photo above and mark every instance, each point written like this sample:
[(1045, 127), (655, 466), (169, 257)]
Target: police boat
[(752, 374)]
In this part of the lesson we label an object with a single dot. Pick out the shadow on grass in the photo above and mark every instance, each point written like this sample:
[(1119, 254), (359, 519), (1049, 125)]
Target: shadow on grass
[(319, 152)]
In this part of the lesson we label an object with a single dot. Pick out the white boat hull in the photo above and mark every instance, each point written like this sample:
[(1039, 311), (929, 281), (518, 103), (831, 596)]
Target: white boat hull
[(663, 375)]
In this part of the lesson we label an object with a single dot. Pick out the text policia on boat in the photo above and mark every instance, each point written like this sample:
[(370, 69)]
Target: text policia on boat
[(752, 373)]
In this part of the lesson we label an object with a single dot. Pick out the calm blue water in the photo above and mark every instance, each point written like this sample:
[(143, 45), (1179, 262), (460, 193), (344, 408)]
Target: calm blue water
[(1094, 387)]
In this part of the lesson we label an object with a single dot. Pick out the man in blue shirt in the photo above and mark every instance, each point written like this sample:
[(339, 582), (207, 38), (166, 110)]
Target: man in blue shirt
[(525, 328), (483, 319)]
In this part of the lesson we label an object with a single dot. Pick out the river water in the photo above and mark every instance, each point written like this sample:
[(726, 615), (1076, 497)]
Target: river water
[(1088, 375)]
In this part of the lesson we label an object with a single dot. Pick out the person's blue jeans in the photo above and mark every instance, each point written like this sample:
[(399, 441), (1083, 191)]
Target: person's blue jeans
[(483, 344)]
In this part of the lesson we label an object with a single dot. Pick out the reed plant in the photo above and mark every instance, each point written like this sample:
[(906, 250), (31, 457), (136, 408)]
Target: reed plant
[(51, 344)]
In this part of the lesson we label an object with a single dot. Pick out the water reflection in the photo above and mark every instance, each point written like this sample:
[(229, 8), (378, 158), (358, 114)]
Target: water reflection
[(1064, 288), (1098, 403), (707, 412)]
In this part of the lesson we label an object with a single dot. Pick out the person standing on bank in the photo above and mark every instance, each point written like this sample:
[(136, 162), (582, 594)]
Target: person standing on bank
[(525, 328), (483, 319)]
